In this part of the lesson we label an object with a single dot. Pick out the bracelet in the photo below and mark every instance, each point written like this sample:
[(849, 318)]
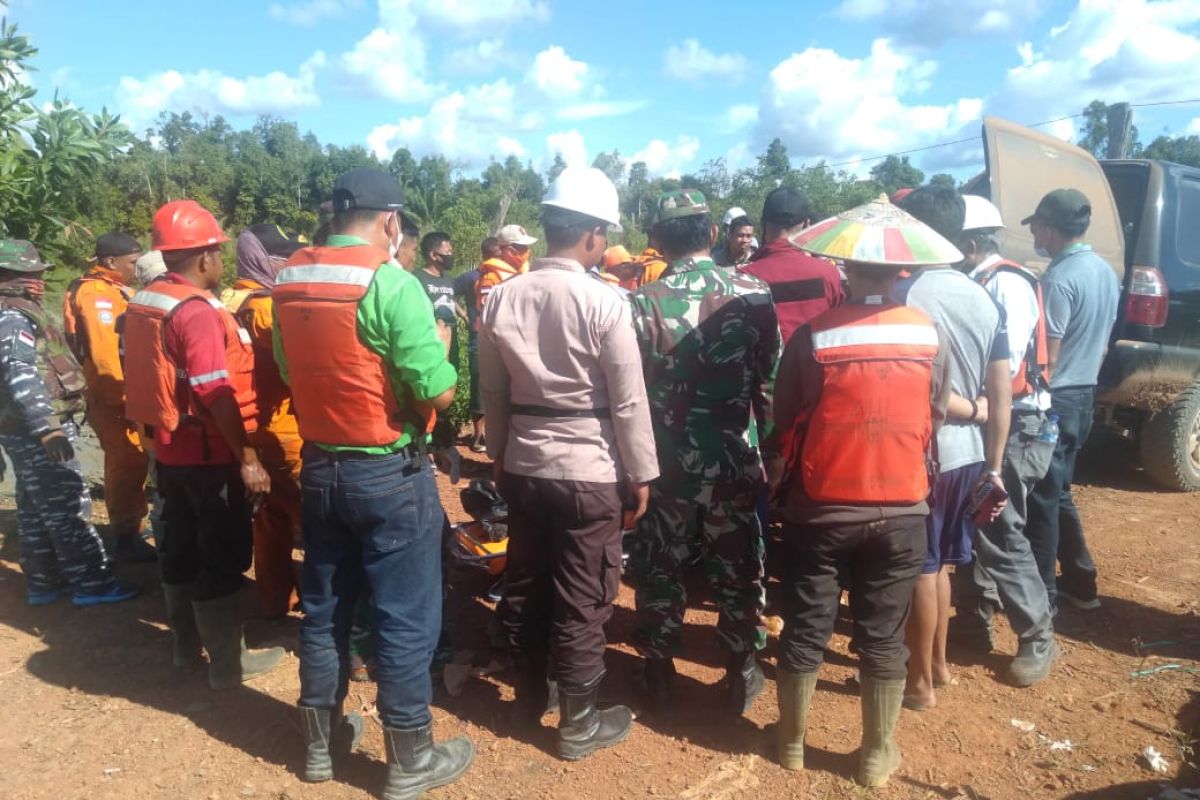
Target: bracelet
[(974, 411), (992, 473)]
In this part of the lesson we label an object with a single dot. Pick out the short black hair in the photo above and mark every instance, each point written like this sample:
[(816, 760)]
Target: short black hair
[(177, 260), (939, 207), (354, 218), (984, 241), (432, 241), (740, 222), (563, 227), (408, 226), (875, 273), (684, 235)]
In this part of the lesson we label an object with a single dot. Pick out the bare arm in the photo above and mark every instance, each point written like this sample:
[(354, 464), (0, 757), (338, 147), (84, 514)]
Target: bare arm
[(1053, 349), (997, 387)]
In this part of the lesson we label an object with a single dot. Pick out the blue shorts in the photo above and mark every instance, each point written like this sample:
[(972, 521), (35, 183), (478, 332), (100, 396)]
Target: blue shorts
[(951, 531)]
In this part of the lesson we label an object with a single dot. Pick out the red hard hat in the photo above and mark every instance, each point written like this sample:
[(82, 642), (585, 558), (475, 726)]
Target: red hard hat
[(184, 224)]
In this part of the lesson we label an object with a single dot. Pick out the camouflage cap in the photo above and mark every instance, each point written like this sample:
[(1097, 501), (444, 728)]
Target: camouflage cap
[(680, 203), (18, 255)]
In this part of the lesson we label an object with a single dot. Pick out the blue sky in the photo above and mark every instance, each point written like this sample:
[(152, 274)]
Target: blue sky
[(674, 84)]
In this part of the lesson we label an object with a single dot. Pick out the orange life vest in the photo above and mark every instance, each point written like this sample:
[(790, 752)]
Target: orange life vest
[(1036, 374), (867, 442), (156, 389), (341, 392)]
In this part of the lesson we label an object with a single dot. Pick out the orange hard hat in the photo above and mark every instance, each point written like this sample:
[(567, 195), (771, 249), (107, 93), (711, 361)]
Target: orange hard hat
[(184, 224), (615, 256)]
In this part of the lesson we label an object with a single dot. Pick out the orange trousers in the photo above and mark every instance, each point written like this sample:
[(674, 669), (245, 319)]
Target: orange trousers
[(277, 524), (125, 466)]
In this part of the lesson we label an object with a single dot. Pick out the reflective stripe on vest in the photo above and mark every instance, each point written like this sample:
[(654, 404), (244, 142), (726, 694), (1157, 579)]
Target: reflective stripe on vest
[(341, 391), (867, 441)]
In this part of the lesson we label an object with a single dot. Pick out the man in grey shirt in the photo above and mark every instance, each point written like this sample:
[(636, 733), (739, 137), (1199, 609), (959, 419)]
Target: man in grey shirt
[(1080, 293)]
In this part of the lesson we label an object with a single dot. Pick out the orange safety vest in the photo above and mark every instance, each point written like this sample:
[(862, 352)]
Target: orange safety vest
[(867, 442), (1036, 374), (156, 389), (341, 392)]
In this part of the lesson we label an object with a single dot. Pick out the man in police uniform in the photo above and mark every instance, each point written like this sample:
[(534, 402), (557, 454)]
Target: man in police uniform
[(41, 391)]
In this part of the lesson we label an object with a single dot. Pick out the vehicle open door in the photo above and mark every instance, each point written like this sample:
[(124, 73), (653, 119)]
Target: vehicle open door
[(1023, 165)]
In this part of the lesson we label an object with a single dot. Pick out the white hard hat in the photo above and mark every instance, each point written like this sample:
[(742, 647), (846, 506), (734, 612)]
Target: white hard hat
[(732, 214), (586, 190), (980, 214)]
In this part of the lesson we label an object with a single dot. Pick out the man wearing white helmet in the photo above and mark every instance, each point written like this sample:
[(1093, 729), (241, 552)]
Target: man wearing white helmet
[(738, 242), (569, 430), (1005, 570)]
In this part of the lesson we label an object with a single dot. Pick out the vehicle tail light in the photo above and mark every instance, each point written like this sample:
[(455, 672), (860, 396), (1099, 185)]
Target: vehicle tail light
[(1147, 302)]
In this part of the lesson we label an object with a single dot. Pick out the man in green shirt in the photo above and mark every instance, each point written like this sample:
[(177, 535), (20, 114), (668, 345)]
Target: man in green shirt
[(356, 340)]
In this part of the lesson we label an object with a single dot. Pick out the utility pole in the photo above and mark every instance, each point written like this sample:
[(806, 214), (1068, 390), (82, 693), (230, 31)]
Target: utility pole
[(1120, 126)]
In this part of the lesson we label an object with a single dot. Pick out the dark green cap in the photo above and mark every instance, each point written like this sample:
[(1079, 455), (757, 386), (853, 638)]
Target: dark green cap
[(1062, 208), (18, 255), (680, 203)]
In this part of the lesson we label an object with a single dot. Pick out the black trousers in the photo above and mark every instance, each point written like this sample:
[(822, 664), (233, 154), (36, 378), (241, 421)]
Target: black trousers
[(207, 537), (563, 572), (880, 562)]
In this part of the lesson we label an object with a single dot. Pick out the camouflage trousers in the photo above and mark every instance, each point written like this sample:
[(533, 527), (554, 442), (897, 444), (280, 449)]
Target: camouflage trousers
[(59, 545), (725, 540)]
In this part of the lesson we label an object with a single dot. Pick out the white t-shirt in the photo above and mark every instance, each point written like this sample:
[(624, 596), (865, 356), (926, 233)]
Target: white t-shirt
[(1019, 301)]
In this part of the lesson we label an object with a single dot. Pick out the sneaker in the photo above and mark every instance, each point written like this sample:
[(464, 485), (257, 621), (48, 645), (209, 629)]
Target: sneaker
[(479, 445), (1083, 602), (117, 592), (46, 597)]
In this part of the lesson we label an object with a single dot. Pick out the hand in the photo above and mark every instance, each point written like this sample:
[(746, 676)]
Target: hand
[(981, 413), (639, 495), (774, 466), (997, 482), (58, 447), (255, 478)]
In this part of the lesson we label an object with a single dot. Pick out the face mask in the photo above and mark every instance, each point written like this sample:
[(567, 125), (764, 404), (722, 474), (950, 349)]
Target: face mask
[(447, 262)]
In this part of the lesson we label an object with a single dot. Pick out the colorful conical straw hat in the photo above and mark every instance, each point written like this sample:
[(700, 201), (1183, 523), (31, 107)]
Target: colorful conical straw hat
[(878, 233)]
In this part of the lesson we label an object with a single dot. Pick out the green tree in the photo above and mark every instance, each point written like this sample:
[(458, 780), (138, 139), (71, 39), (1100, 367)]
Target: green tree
[(774, 165), (611, 164), (1180, 149), (943, 179), (895, 172), (1093, 136)]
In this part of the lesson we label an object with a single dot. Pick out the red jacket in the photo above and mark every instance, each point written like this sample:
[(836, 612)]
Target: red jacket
[(802, 286)]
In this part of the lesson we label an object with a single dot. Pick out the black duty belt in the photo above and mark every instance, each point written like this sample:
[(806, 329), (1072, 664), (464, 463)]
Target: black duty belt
[(561, 413)]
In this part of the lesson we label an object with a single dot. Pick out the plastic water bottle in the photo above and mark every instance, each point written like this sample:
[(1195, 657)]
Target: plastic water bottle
[(1049, 431)]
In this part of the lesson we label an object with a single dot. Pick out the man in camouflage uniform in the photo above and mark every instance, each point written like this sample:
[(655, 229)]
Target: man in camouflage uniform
[(41, 391), (710, 343)]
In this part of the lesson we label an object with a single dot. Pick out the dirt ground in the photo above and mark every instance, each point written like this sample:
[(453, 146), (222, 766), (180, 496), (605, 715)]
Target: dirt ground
[(95, 710)]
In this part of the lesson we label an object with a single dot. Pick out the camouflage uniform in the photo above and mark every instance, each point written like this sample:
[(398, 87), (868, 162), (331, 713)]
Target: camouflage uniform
[(59, 547), (710, 344)]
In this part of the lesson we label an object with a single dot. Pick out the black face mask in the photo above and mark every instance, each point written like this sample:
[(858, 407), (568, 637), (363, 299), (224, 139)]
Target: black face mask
[(446, 262)]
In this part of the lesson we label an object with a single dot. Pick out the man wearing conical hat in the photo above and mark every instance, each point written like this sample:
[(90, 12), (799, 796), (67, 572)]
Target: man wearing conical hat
[(860, 392)]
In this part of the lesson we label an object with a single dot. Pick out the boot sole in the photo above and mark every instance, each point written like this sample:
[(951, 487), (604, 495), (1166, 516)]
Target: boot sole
[(1030, 679), (570, 752)]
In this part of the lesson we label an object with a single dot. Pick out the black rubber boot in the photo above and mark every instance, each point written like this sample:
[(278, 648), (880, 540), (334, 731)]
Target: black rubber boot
[(327, 733), (229, 661), (582, 728), (416, 764), (536, 694), (659, 677), (744, 681), (133, 548)]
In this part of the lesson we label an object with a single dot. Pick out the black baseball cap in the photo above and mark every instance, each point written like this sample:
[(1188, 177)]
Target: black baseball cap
[(274, 240), (1062, 208), (116, 244), (786, 207), (367, 188)]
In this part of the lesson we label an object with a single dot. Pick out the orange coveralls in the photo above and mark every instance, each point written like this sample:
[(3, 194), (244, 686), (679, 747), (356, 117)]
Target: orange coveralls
[(277, 524), (91, 307)]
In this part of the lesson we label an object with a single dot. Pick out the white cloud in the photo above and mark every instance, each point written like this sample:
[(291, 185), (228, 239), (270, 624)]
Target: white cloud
[(1112, 50), (390, 61), (568, 144), (1193, 128), (691, 61), (485, 57), (466, 15), (825, 105), (600, 108), (556, 74), (931, 22), (668, 159), (308, 13), (741, 116), (142, 99)]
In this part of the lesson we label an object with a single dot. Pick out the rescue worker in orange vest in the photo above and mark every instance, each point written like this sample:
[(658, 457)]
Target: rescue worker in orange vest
[(860, 392), (514, 242), (189, 375), (261, 251), (651, 259), (1005, 572), (91, 306), (356, 340)]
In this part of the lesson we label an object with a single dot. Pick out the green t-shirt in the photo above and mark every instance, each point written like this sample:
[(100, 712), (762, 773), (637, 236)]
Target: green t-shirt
[(395, 321)]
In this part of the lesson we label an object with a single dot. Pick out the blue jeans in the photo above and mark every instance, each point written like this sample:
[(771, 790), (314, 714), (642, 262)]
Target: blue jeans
[(379, 519), (1054, 529)]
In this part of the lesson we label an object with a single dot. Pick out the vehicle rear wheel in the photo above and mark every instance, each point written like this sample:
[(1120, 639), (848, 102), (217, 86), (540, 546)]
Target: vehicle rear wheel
[(1170, 443)]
